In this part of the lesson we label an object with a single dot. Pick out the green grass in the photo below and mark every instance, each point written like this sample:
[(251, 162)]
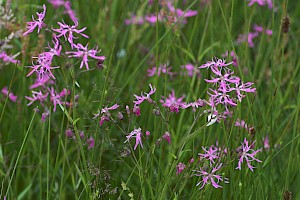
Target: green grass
[(37, 160)]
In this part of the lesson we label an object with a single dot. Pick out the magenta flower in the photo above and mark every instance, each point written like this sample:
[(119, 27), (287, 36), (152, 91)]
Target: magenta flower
[(215, 63), (191, 70), (69, 133), (153, 18), (43, 67), (90, 142), (167, 137), (137, 134), (41, 82), (196, 104), (266, 142), (136, 110), (37, 96), (211, 154), (223, 79), (247, 153), (105, 113), (243, 87), (67, 5), (56, 49), (162, 69), (233, 56), (10, 95), (134, 20), (241, 123), (68, 32), (179, 168), (210, 177), (54, 98), (221, 96), (8, 59), (180, 13), (39, 23), (247, 37), (261, 3), (84, 53), (144, 96), (173, 103)]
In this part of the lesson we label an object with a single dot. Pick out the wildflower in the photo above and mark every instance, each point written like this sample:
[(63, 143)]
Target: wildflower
[(54, 51), (167, 137), (107, 109), (173, 103), (260, 29), (8, 59), (211, 154), (246, 152), (162, 69), (179, 168), (120, 116), (261, 3), (103, 119), (196, 104), (266, 142), (153, 18), (134, 20), (144, 96), (84, 53), (69, 133), (210, 177), (148, 133), (54, 98), (68, 31), (39, 23), (136, 110), (10, 95), (247, 37), (221, 96), (37, 96), (191, 69), (137, 134), (241, 123), (233, 56), (215, 63), (243, 87), (45, 115), (43, 67), (90, 142), (43, 82), (81, 134), (180, 13), (64, 92), (69, 11)]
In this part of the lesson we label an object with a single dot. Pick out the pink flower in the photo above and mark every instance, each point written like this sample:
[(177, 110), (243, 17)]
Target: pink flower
[(266, 142), (167, 137), (261, 3), (233, 56), (54, 98), (137, 134), (247, 37), (105, 113), (179, 168), (144, 96), (10, 95), (39, 23), (173, 103), (211, 154), (134, 20), (8, 59), (247, 153), (241, 123), (196, 104), (37, 96), (162, 69), (69, 133), (90, 142), (243, 87), (210, 177), (68, 31), (215, 63), (43, 66), (84, 53), (153, 18), (67, 5), (107, 109), (41, 82), (191, 70)]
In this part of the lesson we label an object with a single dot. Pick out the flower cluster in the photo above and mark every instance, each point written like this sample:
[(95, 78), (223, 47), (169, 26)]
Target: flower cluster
[(226, 89)]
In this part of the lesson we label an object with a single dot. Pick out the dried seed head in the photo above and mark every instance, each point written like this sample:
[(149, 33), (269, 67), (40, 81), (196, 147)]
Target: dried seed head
[(285, 24), (287, 195)]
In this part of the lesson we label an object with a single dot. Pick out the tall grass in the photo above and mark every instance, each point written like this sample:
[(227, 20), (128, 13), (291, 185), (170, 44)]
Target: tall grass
[(38, 160)]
